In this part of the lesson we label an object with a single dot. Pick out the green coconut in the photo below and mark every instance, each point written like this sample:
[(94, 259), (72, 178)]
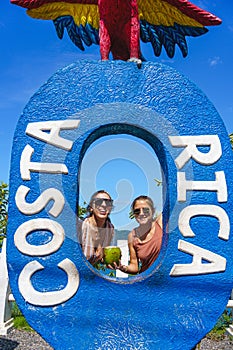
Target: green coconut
[(112, 254)]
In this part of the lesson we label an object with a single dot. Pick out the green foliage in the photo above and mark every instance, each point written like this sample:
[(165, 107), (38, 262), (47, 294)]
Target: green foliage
[(231, 139), (21, 323), (219, 330), (3, 210), (103, 268), (131, 215), (15, 312), (158, 182), (19, 320), (82, 211)]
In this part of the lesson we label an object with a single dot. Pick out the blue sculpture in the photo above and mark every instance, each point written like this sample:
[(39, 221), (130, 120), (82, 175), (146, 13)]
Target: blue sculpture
[(63, 297)]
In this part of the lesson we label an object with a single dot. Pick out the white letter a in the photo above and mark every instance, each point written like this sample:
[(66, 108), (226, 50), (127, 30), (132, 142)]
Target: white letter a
[(213, 262), (40, 131)]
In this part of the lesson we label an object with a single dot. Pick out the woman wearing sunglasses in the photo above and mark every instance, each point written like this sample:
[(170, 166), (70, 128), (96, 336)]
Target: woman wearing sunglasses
[(145, 240), (96, 231)]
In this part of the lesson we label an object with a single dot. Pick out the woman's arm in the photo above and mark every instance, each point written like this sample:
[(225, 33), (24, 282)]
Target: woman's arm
[(132, 268), (99, 253), (159, 220)]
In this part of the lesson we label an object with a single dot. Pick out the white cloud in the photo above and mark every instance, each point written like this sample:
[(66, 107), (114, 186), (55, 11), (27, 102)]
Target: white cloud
[(215, 61), (201, 4), (205, 4)]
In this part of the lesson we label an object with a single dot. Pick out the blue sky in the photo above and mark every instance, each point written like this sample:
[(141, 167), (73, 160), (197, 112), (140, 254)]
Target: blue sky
[(31, 53)]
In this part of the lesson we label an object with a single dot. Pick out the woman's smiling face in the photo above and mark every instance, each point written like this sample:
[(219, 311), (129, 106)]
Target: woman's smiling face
[(143, 212), (101, 205)]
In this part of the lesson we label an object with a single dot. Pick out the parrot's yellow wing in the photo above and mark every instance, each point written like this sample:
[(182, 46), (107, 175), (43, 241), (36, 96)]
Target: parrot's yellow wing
[(79, 17)]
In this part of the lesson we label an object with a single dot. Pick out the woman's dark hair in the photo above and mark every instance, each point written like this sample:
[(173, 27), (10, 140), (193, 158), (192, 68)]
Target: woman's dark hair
[(145, 198)]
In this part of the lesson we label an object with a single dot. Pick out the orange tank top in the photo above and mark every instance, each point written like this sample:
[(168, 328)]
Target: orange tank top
[(147, 252)]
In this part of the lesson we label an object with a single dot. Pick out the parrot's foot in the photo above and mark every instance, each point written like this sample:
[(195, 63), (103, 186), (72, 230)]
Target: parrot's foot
[(136, 60)]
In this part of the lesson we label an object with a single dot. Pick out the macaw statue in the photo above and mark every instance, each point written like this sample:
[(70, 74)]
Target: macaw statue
[(118, 25)]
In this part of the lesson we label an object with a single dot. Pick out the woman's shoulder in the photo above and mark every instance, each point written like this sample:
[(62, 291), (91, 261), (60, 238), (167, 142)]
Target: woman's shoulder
[(158, 230), (159, 219), (131, 235), (83, 222)]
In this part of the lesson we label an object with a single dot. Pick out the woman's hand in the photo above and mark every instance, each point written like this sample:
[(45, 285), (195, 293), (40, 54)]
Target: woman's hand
[(97, 257), (118, 266)]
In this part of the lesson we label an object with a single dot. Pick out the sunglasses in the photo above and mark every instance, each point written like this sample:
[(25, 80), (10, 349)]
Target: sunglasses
[(146, 211), (99, 201)]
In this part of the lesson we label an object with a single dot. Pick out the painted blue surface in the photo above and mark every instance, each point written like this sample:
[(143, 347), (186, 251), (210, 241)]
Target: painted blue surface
[(155, 311)]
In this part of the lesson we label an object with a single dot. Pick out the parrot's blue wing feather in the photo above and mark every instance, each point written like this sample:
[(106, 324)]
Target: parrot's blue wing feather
[(168, 37), (78, 34), (93, 34), (148, 33)]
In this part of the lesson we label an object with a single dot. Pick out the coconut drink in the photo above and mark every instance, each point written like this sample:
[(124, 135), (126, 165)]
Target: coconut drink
[(112, 254)]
